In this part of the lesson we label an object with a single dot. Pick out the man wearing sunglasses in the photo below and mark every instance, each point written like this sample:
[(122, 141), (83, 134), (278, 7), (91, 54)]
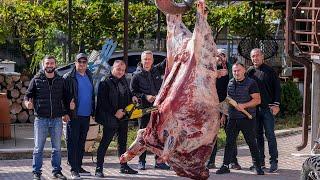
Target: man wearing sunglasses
[(80, 106)]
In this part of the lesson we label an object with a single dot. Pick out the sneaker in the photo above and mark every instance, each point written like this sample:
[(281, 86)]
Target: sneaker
[(36, 176), (84, 172), (125, 169), (75, 175), (163, 166), (223, 170), (211, 166), (142, 166), (99, 173), (263, 166), (273, 168), (259, 171), (235, 166), (59, 175)]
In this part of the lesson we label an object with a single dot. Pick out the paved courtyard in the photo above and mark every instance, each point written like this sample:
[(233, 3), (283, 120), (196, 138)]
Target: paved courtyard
[(289, 166)]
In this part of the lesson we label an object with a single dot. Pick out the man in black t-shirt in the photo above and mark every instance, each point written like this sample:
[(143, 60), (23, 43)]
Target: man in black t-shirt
[(245, 92)]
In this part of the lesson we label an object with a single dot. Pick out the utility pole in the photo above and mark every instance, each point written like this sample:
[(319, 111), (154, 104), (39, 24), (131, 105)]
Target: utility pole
[(69, 30)]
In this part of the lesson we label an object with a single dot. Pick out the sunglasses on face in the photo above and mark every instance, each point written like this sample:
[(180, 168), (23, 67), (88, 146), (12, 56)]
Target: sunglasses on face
[(82, 62)]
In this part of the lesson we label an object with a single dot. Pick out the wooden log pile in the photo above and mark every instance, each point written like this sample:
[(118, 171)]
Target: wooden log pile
[(15, 86)]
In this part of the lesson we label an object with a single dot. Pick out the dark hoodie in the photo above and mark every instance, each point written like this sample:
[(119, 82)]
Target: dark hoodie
[(47, 99), (147, 82)]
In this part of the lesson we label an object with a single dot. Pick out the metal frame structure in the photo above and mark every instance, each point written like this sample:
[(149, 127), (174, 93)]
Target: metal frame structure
[(302, 43)]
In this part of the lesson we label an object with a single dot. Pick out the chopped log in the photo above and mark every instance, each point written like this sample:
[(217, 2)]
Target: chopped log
[(15, 108), (23, 116), (18, 85), (9, 79), (23, 90), (10, 86), (1, 78), (32, 118), (19, 100), (14, 93), (30, 112), (16, 78), (10, 102), (24, 78), (26, 83), (13, 118)]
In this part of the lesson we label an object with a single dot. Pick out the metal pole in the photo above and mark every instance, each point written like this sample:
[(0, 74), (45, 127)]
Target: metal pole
[(69, 29), (158, 29), (125, 35)]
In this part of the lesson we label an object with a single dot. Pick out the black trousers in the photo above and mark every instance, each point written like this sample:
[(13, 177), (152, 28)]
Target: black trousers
[(248, 129), (108, 134), (143, 122), (213, 155), (77, 130)]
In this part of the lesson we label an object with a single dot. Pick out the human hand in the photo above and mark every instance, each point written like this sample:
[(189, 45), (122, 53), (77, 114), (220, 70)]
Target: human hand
[(222, 120), (275, 110), (120, 113), (29, 103), (240, 107), (72, 104), (135, 99), (65, 118), (150, 98)]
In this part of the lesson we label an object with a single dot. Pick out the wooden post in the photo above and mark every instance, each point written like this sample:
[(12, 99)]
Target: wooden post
[(315, 100)]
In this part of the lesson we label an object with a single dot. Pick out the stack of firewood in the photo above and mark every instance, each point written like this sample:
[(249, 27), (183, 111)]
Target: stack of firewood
[(15, 86)]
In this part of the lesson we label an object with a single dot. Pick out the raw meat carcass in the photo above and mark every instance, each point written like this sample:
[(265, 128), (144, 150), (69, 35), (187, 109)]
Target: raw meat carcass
[(184, 129)]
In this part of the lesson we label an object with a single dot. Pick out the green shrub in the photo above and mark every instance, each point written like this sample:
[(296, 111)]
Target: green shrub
[(291, 100)]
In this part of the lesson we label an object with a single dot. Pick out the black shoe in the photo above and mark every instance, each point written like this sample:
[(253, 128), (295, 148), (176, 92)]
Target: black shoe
[(211, 166), (263, 166), (142, 165), (235, 166), (99, 173), (223, 170), (163, 166), (84, 172), (59, 175), (75, 175), (36, 176), (259, 171), (273, 168), (125, 169)]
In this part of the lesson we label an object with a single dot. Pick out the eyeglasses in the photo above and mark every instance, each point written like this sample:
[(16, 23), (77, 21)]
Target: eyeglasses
[(82, 62)]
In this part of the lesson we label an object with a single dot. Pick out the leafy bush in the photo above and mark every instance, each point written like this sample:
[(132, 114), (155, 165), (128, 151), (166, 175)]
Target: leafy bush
[(291, 99)]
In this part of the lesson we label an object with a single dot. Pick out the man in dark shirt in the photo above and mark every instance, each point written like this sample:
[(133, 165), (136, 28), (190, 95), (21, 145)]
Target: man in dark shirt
[(245, 92), (269, 85), (45, 95), (81, 105), (113, 96), (145, 84), (221, 85)]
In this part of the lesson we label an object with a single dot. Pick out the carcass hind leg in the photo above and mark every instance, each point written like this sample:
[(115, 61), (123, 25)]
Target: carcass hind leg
[(136, 148)]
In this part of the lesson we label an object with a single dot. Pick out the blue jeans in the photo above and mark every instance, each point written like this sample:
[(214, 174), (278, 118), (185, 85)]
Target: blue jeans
[(43, 127), (265, 124)]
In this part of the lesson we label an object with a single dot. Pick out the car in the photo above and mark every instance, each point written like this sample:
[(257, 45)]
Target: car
[(134, 57)]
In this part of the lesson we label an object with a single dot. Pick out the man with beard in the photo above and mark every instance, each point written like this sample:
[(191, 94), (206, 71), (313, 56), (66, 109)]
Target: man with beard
[(113, 97), (45, 95), (80, 94)]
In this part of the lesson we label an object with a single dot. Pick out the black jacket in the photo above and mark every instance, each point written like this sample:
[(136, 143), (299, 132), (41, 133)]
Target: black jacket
[(109, 100), (268, 83), (47, 99), (147, 82), (71, 90)]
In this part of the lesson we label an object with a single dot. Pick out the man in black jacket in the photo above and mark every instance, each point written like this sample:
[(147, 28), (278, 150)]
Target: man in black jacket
[(269, 85), (145, 84), (45, 95), (113, 96), (81, 105)]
